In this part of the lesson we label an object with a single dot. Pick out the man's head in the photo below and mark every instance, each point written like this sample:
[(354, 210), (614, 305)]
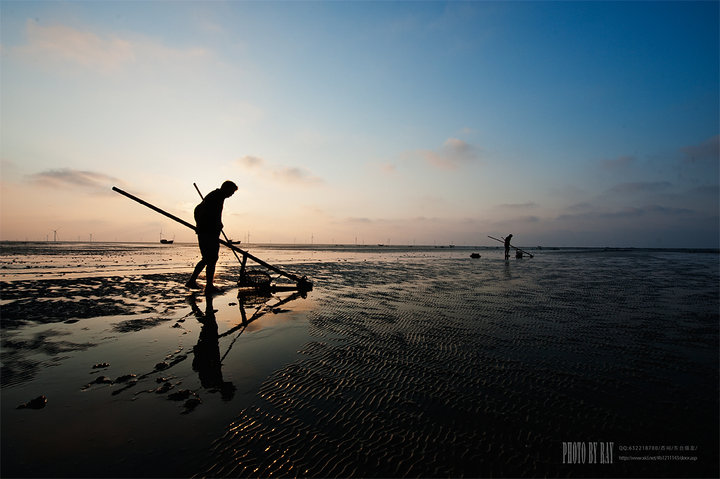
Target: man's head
[(228, 188)]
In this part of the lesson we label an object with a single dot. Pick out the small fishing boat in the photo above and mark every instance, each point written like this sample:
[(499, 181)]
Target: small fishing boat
[(165, 241)]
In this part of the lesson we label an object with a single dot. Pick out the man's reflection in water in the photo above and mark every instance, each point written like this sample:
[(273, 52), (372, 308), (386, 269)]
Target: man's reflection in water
[(206, 360)]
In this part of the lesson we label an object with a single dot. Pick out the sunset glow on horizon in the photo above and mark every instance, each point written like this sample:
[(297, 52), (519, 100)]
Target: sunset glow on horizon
[(564, 123)]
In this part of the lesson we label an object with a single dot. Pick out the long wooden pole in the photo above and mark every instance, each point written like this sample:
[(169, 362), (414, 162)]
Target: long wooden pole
[(514, 247), (304, 282)]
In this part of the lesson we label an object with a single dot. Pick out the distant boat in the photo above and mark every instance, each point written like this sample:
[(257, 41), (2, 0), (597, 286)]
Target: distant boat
[(165, 241), (475, 255), (234, 241)]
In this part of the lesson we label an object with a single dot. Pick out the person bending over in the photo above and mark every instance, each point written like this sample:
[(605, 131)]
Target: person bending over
[(208, 221), (507, 247)]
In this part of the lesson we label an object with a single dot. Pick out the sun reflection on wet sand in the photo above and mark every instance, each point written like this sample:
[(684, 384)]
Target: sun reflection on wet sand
[(130, 377)]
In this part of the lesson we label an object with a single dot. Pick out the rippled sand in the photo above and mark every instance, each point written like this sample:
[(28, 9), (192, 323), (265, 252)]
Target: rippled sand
[(451, 367), (399, 363)]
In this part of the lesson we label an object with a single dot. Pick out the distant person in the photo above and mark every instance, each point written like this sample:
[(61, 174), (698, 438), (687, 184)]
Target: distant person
[(209, 225), (507, 246)]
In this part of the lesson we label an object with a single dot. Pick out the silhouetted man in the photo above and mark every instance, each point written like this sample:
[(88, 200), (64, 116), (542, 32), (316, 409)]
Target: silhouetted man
[(208, 216), (507, 246)]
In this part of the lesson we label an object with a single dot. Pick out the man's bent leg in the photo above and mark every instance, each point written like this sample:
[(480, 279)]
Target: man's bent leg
[(210, 288), (192, 282), (210, 274), (210, 248)]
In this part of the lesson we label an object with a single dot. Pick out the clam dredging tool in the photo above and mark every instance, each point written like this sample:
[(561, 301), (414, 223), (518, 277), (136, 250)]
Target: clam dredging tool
[(515, 248), (301, 283)]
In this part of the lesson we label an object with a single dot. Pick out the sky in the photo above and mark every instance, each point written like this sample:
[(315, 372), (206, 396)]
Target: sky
[(428, 123)]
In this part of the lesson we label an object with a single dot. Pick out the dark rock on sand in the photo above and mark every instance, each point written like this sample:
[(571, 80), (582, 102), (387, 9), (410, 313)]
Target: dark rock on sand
[(102, 380), (37, 403), (161, 366), (165, 387), (177, 359), (132, 325), (130, 383), (191, 404)]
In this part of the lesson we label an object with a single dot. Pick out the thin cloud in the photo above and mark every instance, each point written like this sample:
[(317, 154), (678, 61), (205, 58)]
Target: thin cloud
[(519, 206), (453, 154), (251, 162), (709, 150), (668, 211), (283, 174), (66, 178), (295, 176), (515, 221), (711, 191), (640, 187), (63, 45), (388, 168), (629, 212), (359, 220), (584, 205)]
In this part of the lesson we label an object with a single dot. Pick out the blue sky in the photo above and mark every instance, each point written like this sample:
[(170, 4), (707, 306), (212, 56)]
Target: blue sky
[(564, 123)]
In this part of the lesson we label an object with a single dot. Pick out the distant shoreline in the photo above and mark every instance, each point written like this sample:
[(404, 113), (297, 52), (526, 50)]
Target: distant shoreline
[(332, 246)]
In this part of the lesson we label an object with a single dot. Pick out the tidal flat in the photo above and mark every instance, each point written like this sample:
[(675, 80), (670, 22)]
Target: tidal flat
[(401, 362)]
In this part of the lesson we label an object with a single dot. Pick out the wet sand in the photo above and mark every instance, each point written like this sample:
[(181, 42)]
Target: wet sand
[(401, 362)]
